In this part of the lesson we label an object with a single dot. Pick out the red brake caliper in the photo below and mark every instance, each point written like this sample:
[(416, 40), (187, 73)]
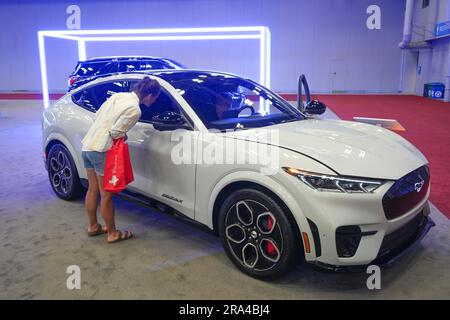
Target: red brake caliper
[(269, 223), (271, 249)]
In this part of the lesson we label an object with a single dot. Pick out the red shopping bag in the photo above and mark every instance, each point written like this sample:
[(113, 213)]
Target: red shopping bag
[(118, 170), (129, 177)]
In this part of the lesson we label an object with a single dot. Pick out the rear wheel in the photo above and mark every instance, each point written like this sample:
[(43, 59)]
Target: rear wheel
[(257, 234), (63, 174)]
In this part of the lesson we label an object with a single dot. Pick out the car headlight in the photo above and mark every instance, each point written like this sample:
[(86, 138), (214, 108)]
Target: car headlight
[(322, 182)]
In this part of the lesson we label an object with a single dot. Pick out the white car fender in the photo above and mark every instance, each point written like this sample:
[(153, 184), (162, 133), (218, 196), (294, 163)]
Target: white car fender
[(68, 145), (275, 187)]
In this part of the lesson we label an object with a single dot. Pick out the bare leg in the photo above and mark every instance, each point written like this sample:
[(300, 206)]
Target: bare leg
[(91, 201), (107, 208)]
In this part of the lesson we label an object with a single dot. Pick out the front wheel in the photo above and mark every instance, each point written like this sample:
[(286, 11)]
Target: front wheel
[(63, 174), (257, 234)]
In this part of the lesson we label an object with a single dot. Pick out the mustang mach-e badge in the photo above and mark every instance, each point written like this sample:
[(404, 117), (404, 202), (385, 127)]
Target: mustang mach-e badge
[(418, 186), (172, 198)]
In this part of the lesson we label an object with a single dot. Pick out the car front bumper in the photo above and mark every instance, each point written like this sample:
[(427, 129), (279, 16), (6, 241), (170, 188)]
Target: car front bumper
[(333, 216), (395, 245)]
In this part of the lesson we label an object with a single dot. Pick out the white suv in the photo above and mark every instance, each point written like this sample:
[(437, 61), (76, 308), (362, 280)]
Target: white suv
[(340, 194)]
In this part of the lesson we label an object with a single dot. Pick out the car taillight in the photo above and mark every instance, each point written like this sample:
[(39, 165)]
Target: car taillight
[(72, 80)]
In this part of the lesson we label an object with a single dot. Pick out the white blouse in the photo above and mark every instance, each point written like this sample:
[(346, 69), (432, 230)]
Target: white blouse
[(115, 117)]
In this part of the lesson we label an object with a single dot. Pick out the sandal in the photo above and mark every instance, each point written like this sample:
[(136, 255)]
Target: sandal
[(121, 236), (98, 231)]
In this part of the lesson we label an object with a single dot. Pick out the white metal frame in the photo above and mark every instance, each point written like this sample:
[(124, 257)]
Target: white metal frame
[(260, 33)]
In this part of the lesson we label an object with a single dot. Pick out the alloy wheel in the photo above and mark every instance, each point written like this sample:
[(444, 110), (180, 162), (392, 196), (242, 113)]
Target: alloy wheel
[(60, 172), (254, 235)]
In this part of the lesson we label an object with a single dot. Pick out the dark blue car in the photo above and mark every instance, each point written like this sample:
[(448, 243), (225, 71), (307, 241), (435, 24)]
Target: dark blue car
[(87, 70)]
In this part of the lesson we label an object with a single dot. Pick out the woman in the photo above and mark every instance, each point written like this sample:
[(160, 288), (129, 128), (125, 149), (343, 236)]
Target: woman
[(116, 116)]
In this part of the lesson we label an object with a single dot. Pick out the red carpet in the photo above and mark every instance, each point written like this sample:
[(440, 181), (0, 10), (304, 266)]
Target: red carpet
[(27, 96), (427, 124)]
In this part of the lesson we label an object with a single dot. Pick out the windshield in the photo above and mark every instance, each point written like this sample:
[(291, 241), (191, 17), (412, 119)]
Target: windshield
[(226, 102)]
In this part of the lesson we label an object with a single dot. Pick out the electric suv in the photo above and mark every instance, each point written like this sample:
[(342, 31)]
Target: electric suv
[(90, 69), (276, 184)]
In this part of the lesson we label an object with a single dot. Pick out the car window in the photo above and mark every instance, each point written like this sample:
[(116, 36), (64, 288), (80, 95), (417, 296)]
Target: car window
[(176, 64), (139, 65), (87, 69), (226, 102), (84, 99), (164, 103), (93, 97), (103, 91)]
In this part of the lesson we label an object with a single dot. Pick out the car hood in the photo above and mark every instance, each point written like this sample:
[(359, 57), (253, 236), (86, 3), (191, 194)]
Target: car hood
[(349, 148)]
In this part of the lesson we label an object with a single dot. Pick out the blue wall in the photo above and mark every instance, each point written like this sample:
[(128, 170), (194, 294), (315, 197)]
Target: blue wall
[(326, 39)]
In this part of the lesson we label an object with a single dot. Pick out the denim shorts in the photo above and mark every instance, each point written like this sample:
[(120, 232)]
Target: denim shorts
[(94, 160)]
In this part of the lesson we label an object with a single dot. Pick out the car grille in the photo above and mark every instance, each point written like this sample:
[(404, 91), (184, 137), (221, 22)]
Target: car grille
[(399, 239), (406, 193)]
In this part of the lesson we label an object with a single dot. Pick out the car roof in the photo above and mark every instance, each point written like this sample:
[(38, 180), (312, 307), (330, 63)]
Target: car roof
[(165, 74), (124, 58), (187, 73), (180, 73)]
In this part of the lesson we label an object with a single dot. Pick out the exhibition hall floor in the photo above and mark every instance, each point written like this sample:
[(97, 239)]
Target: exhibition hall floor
[(41, 235)]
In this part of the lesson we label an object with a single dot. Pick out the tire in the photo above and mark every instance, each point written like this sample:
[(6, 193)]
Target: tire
[(63, 174), (257, 235)]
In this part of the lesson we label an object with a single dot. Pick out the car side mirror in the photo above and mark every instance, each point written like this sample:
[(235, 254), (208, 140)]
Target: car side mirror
[(309, 106), (302, 84), (168, 121), (315, 107)]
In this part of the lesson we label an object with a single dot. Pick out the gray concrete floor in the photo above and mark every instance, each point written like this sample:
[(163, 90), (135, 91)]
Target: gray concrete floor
[(41, 235)]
